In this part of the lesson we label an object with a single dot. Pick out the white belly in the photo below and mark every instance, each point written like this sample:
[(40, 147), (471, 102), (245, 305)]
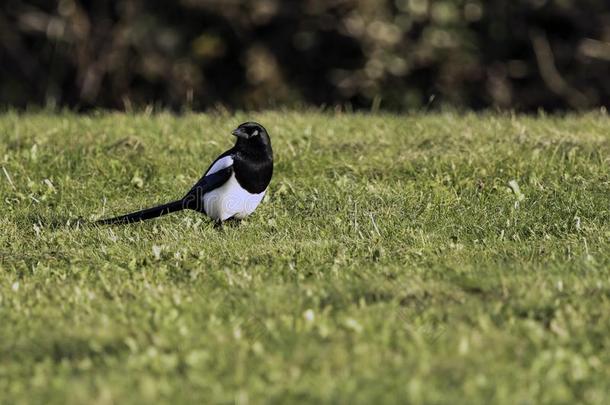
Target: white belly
[(230, 200)]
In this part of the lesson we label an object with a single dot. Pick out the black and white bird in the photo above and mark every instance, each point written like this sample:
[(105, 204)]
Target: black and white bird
[(232, 187)]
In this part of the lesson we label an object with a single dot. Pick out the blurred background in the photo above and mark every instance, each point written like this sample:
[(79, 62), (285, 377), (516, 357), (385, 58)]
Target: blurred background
[(396, 55)]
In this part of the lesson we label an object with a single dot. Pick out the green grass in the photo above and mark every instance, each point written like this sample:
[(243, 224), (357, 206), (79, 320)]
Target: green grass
[(425, 258)]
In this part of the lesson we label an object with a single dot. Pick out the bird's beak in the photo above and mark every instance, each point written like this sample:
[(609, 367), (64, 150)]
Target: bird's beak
[(240, 133)]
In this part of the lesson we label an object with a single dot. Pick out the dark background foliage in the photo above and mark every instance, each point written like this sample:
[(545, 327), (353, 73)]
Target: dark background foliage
[(393, 54)]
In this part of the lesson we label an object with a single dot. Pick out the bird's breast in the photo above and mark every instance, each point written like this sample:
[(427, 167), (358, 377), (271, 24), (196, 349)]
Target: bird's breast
[(231, 200)]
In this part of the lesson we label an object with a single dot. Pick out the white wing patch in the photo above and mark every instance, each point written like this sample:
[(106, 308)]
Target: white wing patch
[(220, 164)]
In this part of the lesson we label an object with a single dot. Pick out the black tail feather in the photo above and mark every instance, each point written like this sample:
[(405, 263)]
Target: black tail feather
[(143, 215)]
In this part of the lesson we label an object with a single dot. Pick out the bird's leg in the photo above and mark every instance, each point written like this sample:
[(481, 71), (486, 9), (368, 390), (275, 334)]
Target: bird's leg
[(233, 222)]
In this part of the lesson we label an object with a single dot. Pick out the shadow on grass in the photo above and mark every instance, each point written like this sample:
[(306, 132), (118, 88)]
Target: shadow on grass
[(33, 226), (54, 221), (64, 347)]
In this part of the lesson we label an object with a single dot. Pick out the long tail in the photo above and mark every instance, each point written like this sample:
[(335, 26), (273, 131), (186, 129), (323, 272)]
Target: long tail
[(145, 214)]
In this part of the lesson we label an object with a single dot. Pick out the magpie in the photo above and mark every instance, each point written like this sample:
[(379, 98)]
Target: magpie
[(231, 188)]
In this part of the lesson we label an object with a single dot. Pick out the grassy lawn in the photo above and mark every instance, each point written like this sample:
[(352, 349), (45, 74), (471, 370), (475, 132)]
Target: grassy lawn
[(424, 259)]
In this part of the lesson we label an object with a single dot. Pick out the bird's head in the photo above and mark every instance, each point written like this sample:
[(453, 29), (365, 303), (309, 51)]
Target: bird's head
[(252, 138), (250, 131)]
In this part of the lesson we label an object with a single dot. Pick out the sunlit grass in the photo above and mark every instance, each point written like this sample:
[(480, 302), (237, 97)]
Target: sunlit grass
[(424, 258)]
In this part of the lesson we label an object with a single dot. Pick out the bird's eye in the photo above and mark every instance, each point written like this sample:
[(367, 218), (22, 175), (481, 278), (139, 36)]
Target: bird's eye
[(255, 132)]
